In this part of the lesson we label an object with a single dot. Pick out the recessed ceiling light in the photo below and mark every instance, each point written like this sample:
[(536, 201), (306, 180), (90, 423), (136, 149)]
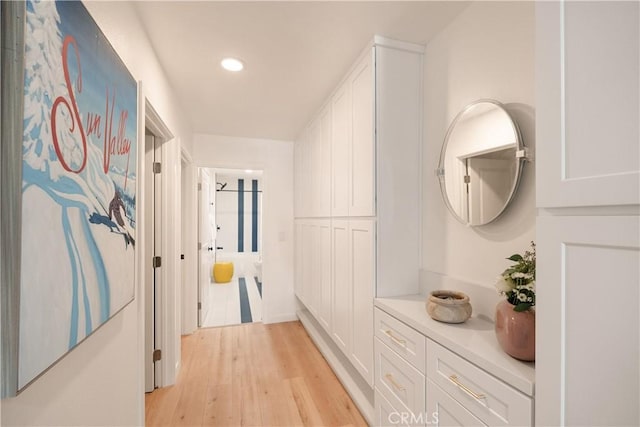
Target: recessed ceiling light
[(232, 64)]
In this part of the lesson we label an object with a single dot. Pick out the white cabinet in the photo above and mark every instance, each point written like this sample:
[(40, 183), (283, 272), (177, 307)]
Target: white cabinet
[(487, 398), (313, 275), (362, 258), (352, 291), (341, 152), (341, 285), (591, 340), (362, 156), (421, 381), (357, 167), (588, 228), (587, 86)]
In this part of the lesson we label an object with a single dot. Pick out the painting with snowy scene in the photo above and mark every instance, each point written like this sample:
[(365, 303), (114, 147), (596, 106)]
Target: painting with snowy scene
[(78, 184)]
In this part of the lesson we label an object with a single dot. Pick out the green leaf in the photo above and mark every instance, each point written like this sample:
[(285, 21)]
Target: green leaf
[(515, 257), (524, 306)]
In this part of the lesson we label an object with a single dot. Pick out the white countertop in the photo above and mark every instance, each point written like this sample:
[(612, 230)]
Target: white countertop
[(474, 340)]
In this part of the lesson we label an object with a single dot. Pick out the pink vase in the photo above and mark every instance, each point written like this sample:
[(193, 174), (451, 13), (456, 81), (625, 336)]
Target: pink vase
[(516, 331)]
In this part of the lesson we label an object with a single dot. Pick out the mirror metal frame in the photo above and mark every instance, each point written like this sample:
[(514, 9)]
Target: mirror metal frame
[(521, 156)]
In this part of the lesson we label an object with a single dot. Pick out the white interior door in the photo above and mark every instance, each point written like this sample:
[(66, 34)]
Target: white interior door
[(153, 154), (489, 187), (206, 244)]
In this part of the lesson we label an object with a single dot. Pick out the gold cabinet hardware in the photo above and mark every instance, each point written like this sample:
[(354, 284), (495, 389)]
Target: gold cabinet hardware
[(395, 339), (454, 379), (393, 382)]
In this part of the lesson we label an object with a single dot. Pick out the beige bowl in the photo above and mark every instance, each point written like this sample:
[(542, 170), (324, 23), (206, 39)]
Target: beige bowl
[(449, 306)]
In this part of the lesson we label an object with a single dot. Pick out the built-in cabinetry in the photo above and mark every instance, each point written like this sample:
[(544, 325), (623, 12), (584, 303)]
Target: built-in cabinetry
[(588, 228), (357, 177), (430, 373)]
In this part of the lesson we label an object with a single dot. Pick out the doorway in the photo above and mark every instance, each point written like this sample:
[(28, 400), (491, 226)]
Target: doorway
[(231, 235)]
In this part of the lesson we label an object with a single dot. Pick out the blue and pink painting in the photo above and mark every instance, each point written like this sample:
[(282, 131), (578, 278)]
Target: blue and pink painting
[(78, 185)]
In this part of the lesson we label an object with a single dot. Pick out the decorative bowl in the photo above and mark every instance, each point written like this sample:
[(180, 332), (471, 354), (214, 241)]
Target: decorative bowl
[(449, 306)]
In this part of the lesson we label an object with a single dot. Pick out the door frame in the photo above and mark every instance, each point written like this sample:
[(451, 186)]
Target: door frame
[(165, 330)]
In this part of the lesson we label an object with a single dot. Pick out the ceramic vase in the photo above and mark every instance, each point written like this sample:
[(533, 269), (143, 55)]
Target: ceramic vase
[(516, 331)]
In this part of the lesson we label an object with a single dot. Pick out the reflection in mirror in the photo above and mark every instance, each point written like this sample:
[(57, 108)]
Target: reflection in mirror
[(480, 162)]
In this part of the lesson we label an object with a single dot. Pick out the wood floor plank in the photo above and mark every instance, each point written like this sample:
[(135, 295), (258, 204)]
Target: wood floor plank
[(252, 375)]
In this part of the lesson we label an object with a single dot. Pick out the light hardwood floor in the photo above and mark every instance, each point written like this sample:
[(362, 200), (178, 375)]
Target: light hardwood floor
[(252, 375)]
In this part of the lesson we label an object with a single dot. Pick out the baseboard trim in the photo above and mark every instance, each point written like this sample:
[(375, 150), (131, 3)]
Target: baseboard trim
[(359, 391), (288, 317)]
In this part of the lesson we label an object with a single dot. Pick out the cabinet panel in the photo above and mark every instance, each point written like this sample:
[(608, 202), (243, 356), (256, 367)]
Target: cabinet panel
[(588, 96), (340, 151), (446, 411), (324, 274), (362, 143), (398, 381), (362, 255), (298, 259), (314, 166), (341, 285), (590, 347), (324, 173)]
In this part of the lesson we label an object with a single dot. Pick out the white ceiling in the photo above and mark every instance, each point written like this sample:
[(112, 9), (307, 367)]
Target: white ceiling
[(295, 53)]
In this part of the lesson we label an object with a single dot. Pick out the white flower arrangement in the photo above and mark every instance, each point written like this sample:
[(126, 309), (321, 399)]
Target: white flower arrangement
[(518, 282)]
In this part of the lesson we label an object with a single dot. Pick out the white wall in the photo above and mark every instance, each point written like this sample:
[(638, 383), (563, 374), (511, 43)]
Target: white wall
[(486, 52), (275, 159), (100, 382)]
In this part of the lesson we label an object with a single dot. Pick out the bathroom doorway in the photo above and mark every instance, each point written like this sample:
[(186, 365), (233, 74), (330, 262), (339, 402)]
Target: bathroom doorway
[(233, 281)]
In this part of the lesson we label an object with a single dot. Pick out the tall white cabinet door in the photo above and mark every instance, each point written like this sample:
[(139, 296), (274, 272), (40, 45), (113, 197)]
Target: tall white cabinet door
[(588, 324), (361, 202), (324, 172), (315, 159), (362, 255), (341, 285), (298, 258), (324, 273), (341, 151), (587, 103)]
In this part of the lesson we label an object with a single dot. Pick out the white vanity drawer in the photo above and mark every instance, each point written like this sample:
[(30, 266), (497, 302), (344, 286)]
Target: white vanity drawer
[(486, 397), (446, 410), (402, 384), (387, 415), (407, 342)]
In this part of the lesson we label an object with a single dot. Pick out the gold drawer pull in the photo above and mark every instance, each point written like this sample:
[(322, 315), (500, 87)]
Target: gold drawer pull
[(393, 382), (454, 379), (396, 339)]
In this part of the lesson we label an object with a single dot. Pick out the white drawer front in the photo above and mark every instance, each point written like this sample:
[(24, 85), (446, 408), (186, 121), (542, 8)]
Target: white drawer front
[(489, 399), (407, 342), (398, 381), (446, 411), (388, 416)]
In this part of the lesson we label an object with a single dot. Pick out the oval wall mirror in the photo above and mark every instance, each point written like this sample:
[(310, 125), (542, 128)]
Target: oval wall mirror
[(480, 162)]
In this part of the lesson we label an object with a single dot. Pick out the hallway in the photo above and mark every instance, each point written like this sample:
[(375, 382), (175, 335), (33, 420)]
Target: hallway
[(252, 374)]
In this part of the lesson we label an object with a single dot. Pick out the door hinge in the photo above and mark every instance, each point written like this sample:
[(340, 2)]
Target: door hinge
[(199, 306), (157, 167), (157, 261), (199, 246), (182, 256), (157, 355), (467, 179), (200, 186)]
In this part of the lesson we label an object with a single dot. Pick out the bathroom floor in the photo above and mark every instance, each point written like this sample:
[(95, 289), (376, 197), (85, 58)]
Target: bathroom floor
[(233, 303)]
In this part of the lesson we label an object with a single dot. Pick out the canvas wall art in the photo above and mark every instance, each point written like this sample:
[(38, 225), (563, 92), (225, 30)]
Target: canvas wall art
[(78, 184)]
